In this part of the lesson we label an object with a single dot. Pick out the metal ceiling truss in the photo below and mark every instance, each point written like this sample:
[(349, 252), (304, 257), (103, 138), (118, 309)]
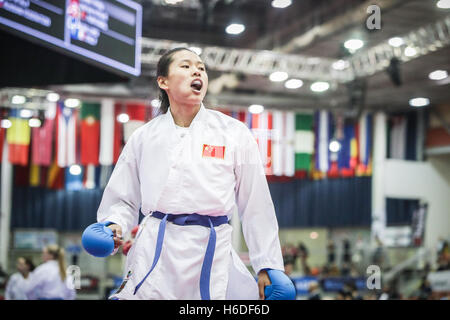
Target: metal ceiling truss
[(362, 64)]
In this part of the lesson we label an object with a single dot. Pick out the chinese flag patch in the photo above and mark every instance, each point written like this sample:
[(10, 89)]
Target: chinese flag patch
[(213, 151)]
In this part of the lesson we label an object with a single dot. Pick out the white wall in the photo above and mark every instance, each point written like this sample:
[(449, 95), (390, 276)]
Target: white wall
[(428, 181)]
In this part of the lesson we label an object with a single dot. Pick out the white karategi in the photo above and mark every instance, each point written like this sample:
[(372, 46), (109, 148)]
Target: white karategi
[(46, 283), (163, 169), (15, 288)]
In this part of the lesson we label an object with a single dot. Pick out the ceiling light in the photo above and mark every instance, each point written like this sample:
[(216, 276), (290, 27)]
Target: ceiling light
[(52, 97), (320, 86), (353, 44), (281, 3), (235, 28), (5, 123), (26, 113), (18, 99), (293, 83), (340, 65), (75, 170), (438, 75), (197, 50), (410, 51), (278, 76), (34, 123), (123, 118), (313, 235), (72, 103), (396, 42), (256, 108), (334, 146), (155, 103), (443, 4), (419, 102)]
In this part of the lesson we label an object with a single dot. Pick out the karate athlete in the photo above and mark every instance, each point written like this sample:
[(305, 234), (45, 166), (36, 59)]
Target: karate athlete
[(17, 283), (186, 170), (49, 281)]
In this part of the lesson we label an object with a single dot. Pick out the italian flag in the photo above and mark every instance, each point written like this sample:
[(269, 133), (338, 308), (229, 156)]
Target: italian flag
[(304, 143)]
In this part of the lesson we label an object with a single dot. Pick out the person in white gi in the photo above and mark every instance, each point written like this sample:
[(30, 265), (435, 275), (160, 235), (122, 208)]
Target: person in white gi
[(191, 161), (17, 283), (49, 280)]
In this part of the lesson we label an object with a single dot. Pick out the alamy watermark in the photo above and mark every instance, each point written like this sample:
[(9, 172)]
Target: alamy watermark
[(374, 20), (374, 279)]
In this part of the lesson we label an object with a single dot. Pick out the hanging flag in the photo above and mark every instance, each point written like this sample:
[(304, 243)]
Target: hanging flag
[(344, 154), (304, 143), (105, 174), (66, 124), (41, 144), (283, 134), (261, 128), (397, 148), (364, 144), (324, 133), (239, 115), (136, 112), (35, 175), (89, 177), (90, 133), (107, 120), (118, 132), (18, 137), (55, 176), (2, 140)]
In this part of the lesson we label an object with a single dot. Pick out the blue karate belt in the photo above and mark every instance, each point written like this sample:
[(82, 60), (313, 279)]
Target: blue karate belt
[(187, 220)]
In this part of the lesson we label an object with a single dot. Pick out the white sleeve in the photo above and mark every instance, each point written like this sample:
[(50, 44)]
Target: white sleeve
[(121, 199), (34, 284), (255, 207), (9, 293)]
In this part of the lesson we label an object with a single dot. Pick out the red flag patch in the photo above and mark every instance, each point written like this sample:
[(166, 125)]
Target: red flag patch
[(213, 151)]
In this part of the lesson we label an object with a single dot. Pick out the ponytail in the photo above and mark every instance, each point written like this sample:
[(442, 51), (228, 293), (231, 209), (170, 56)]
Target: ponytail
[(59, 255)]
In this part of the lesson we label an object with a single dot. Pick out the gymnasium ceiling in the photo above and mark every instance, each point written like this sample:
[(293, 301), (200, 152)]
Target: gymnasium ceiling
[(316, 28)]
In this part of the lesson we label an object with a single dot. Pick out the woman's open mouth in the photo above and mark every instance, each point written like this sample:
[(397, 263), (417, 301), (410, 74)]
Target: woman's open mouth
[(197, 85)]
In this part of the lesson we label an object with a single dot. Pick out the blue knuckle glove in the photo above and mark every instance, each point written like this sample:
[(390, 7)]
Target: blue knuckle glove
[(281, 288), (97, 239)]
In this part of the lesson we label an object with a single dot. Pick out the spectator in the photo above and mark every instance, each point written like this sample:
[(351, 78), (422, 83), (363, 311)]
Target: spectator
[(17, 283), (314, 291)]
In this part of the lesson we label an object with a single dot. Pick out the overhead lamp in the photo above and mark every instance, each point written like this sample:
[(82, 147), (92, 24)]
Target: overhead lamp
[(438, 75), (75, 170), (72, 103), (34, 123), (281, 3), (155, 103), (293, 83), (197, 50), (26, 113), (410, 51), (353, 44), (320, 86), (314, 235), (235, 28), (18, 99), (52, 97), (5, 123), (123, 118), (443, 4), (334, 146), (278, 76), (256, 108), (396, 42), (340, 65), (419, 102)]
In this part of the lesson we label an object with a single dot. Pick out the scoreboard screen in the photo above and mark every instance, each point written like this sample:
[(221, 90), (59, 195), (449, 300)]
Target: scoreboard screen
[(107, 32)]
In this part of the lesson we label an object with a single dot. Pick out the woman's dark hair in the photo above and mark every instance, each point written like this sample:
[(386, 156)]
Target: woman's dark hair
[(163, 70), (29, 263)]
